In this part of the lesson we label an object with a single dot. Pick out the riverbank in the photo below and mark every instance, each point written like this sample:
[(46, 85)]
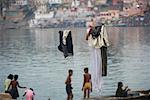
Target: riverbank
[(8, 24), (5, 96)]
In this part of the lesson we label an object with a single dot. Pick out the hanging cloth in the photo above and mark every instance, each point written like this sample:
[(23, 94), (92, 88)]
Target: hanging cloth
[(104, 50), (98, 39), (66, 45)]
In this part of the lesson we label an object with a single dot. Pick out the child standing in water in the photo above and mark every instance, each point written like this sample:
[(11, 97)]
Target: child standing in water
[(29, 93), (15, 84), (68, 85), (87, 83), (7, 83)]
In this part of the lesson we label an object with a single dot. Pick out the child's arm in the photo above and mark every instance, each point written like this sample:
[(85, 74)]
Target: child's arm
[(83, 82), (88, 33), (20, 86), (126, 88), (24, 94), (66, 80), (9, 85)]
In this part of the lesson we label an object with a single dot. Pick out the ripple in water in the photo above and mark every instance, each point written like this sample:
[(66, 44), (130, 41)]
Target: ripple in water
[(33, 55)]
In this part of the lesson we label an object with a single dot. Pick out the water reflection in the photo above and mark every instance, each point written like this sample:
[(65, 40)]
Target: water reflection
[(131, 50), (33, 54)]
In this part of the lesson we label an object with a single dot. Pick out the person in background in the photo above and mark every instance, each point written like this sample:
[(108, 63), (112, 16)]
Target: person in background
[(87, 83), (29, 93), (120, 92), (14, 91), (90, 25), (7, 83), (68, 85)]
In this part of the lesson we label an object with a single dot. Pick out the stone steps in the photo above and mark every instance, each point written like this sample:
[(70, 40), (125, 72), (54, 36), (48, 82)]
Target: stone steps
[(5, 96)]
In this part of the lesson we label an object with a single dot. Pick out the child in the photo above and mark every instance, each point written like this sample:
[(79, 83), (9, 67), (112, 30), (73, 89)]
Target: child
[(120, 92), (7, 83), (15, 84), (68, 85), (87, 84), (29, 93)]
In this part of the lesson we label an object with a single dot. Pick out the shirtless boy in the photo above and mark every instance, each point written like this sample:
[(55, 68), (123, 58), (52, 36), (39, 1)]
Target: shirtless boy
[(68, 85), (87, 83)]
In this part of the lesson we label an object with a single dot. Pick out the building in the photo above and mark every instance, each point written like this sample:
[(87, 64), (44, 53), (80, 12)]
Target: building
[(21, 2), (115, 2), (100, 2), (17, 10), (55, 1), (134, 7), (116, 5), (128, 1), (109, 15), (67, 1)]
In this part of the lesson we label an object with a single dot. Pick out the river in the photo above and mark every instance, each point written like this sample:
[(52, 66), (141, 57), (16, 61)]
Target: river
[(33, 55)]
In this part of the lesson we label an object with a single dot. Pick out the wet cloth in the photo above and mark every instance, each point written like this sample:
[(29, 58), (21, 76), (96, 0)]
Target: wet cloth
[(66, 45), (95, 31), (65, 34), (101, 40), (29, 94), (104, 60), (96, 68), (97, 54), (60, 41)]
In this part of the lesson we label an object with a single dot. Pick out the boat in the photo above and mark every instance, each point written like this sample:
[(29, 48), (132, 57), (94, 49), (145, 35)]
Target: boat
[(133, 95)]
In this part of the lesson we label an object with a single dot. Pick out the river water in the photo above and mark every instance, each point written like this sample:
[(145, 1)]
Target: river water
[(33, 55)]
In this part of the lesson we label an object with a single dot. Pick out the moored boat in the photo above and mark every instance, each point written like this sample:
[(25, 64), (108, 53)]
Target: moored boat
[(134, 95)]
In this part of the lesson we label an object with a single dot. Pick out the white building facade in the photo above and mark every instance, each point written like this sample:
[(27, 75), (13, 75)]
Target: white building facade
[(55, 1), (21, 2)]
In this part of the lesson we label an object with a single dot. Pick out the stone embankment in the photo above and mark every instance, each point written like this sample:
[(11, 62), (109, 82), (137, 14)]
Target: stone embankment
[(5, 96)]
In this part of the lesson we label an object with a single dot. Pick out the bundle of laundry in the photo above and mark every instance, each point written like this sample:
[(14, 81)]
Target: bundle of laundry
[(66, 45)]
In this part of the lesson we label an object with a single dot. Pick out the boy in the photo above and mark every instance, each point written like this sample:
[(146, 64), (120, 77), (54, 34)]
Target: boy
[(68, 85), (87, 83), (29, 93)]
